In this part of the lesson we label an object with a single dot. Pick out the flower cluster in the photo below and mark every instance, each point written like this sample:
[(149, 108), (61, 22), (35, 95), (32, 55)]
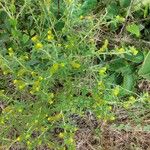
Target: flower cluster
[(38, 44), (75, 65), (129, 103), (50, 36), (133, 50), (20, 84), (11, 52), (104, 47)]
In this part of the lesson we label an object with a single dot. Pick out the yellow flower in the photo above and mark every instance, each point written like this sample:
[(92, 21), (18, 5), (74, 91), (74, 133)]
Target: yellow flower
[(28, 143), (21, 87), (8, 109), (33, 74), (104, 47), (18, 139), (2, 92), (105, 119), (55, 118), (120, 19), (27, 136), (92, 40), (39, 45), (62, 64), (120, 50), (43, 129), (26, 57), (2, 121), (133, 50), (40, 78), (50, 37), (21, 72), (102, 71), (112, 118), (51, 95), (10, 52), (20, 110), (132, 99), (59, 45), (89, 17), (10, 49), (115, 91), (50, 102), (19, 84), (36, 121), (126, 105), (61, 135), (37, 89), (34, 38), (130, 102), (54, 68), (49, 32), (66, 46), (15, 81), (50, 119), (69, 1), (99, 117), (5, 72), (70, 140), (39, 142), (32, 92), (109, 107), (81, 17), (75, 65), (106, 43), (101, 85)]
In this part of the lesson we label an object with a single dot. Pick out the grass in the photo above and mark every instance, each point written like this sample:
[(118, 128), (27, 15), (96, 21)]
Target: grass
[(70, 76)]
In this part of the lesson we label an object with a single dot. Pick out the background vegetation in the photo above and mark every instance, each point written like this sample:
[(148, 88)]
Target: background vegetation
[(74, 74)]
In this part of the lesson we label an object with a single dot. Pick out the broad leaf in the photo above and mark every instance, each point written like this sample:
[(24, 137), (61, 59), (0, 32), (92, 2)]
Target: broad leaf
[(134, 29), (136, 59), (87, 6), (125, 3), (112, 10), (145, 69)]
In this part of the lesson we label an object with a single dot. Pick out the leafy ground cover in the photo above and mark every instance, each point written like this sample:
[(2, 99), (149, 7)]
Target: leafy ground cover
[(74, 74)]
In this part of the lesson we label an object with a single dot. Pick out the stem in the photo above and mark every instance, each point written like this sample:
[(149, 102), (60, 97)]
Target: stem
[(126, 19)]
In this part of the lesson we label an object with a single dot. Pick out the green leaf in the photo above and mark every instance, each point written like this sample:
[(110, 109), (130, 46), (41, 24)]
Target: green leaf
[(25, 38), (59, 25), (136, 59), (13, 22), (112, 10), (13, 8), (121, 66), (124, 3), (128, 82), (146, 11), (145, 69), (117, 65), (87, 6), (15, 33), (4, 37), (134, 29)]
